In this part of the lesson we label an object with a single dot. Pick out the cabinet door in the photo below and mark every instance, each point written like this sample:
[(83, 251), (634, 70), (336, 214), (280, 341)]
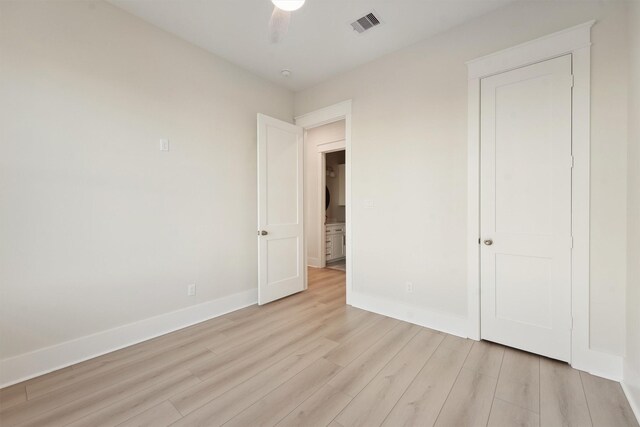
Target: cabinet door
[(329, 251), (336, 243)]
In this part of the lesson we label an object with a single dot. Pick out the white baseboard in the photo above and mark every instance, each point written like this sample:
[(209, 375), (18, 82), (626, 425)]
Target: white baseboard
[(631, 388), (633, 398), (598, 363), (314, 262), (444, 322), (29, 365)]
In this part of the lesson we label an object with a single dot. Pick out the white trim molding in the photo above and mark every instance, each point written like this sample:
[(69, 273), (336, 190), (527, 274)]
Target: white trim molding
[(314, 262), (39, 362), (540, 49), (325, 115), (330, 114), (328, 147), (633, 397), (575, 41)]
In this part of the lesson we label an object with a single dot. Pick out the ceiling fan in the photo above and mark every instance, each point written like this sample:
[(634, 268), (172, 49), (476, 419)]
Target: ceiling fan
[(279, 22)]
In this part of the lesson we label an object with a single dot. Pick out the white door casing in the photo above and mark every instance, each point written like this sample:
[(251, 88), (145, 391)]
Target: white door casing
[(281, 254), (525, 208), (332, 113), (576, 41)]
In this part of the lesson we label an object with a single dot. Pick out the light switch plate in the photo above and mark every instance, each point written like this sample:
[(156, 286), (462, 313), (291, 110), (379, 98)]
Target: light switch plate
[(164, 145), (191, 289)]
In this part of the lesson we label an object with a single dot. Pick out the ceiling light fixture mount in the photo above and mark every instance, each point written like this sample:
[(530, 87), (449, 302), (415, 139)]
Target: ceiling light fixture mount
[(285, 73), (288, 5)]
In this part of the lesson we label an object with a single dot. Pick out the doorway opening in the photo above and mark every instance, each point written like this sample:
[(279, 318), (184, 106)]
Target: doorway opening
[(325, 196), (335, 230), (327, 192)]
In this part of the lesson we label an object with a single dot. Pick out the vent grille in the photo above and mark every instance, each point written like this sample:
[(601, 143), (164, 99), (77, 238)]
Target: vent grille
[(365, 23)]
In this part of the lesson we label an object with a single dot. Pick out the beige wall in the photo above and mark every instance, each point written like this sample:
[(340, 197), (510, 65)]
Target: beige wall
[(316, 136), (409, 134), (632, 358), (98, 227)]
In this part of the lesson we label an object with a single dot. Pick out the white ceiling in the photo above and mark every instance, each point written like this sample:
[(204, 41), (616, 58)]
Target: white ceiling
[(320, 42)]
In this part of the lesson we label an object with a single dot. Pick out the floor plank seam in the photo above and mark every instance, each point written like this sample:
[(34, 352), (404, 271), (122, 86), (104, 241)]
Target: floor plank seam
[(31, 420), (376, 374), (373, 343), (495, 389), (585, 397), (275, 389), (284, 356), (174, 407), (326, 384), (452, 385), (540, 387), (412, 381)]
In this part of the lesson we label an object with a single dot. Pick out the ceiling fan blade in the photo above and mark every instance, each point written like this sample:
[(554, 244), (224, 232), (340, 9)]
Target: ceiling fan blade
[(278, 24)]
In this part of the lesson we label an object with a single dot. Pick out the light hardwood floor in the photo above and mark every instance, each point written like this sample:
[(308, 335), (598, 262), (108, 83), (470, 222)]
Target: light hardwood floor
[(310, 360)]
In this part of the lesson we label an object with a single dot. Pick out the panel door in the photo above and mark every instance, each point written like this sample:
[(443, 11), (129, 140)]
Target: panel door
[(281, 261), (526, 208)]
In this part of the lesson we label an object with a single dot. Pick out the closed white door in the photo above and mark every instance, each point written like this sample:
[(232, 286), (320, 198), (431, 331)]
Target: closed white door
[(526, 208), (281, 260)]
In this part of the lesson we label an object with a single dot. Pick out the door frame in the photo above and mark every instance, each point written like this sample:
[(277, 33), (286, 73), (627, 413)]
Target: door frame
[(577, 42), (323, 116)]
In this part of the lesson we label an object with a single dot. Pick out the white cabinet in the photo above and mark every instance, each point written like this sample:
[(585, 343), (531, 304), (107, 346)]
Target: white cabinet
[(336, 241)]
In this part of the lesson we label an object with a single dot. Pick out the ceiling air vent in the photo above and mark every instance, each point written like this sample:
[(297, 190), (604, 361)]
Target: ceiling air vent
[(365, 23)]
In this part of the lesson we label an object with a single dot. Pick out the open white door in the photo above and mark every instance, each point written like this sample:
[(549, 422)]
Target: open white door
[(526, 208), (281, 263)]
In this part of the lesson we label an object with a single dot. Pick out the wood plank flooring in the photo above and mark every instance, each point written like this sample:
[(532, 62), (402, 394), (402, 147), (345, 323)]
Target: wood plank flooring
[(310, 360)]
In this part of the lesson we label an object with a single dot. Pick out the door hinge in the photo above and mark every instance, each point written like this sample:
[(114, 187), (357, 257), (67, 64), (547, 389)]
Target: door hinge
[(572, 162), (571, 80), (571, 325), (571, 242)]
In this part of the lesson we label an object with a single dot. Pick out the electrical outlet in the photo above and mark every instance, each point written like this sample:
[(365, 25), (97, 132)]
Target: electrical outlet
[(409, 287), (191, 290)]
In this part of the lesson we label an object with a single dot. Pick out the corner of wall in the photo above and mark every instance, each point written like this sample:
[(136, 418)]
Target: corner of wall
[(631, 388), (631, 369), (437, 320)]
